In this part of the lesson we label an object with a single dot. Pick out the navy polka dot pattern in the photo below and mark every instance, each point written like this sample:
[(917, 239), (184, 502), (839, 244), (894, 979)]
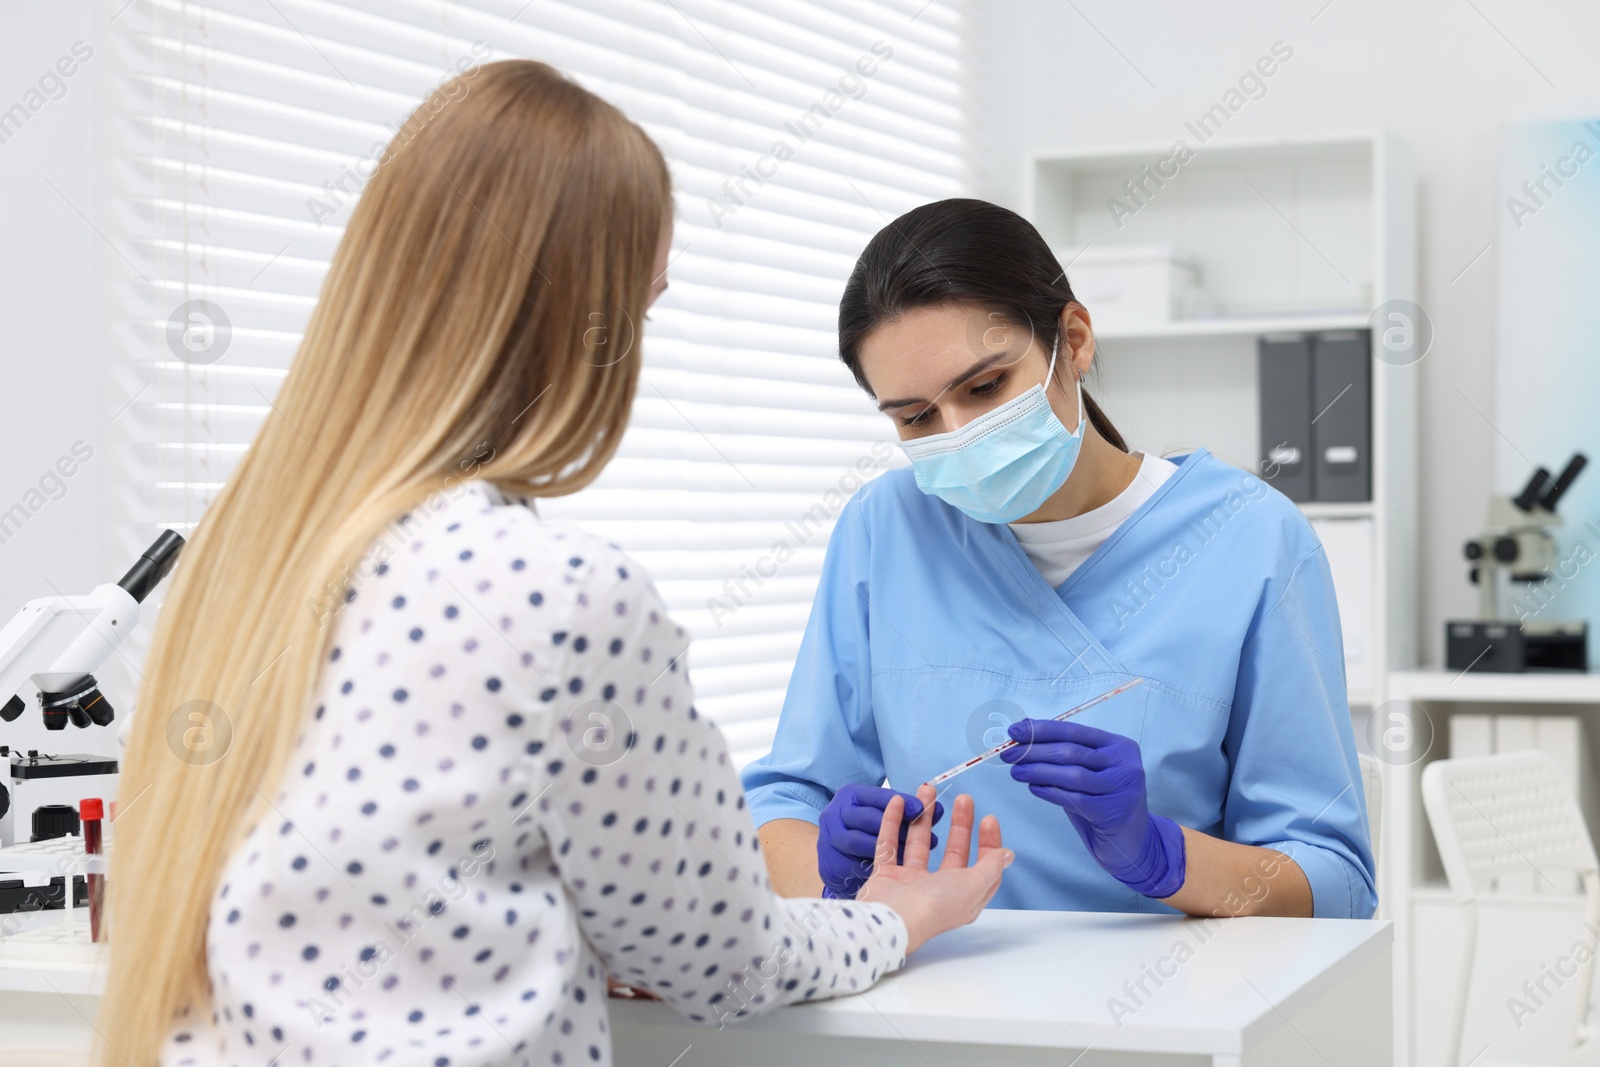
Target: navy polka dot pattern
[(503, 793)]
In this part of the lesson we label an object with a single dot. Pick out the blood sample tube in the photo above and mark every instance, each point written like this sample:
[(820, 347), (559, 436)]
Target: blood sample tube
[(90, 812)]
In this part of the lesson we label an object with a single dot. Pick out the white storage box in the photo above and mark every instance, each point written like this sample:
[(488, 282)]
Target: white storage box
[(1129, 286)]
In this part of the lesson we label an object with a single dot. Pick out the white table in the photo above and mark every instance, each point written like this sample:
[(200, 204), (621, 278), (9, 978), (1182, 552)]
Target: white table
[(49, 992), (1016, 987), (1024, 988)]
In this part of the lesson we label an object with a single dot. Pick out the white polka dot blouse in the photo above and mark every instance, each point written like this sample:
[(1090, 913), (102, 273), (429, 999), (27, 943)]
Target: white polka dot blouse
[(503, 793)]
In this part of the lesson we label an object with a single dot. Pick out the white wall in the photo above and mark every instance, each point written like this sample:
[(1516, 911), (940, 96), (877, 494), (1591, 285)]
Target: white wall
[(50, 391), (1443, 74), (1549, 378)]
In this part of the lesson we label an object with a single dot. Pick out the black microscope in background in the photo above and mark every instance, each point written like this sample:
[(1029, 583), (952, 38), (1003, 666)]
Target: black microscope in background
[(1519, 544)]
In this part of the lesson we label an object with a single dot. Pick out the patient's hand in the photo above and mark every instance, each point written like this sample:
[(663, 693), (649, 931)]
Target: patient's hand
[(932, 902)]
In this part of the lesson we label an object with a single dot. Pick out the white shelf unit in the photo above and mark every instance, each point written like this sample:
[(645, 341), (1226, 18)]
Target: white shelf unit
[(1291, 235), (1520, 932), (1228, 326)]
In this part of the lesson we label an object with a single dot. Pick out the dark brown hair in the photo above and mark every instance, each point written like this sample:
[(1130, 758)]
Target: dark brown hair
[(959, 252)]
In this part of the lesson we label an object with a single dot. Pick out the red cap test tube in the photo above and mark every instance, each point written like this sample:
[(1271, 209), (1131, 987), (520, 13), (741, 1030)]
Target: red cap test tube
[(90, 811)]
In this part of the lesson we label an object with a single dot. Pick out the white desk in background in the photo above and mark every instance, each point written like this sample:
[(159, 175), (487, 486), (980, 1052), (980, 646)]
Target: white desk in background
[(1028, 987)]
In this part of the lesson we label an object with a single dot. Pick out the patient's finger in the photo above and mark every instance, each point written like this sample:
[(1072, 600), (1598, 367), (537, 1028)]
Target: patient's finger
[(919, 840), (958, 844), (989, 868), (988, 844), (988, 835), (889, 834)]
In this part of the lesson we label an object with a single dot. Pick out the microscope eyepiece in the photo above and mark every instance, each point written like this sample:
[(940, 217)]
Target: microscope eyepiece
[(148, 570), (1528, 499), (1553, 495)]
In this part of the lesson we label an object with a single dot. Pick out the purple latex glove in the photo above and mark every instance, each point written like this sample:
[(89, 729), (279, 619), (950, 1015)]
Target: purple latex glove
[(1097, 777), (848, 837)]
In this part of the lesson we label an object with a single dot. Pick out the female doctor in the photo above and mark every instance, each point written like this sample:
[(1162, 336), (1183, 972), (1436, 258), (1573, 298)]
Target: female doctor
[(1027, 561)]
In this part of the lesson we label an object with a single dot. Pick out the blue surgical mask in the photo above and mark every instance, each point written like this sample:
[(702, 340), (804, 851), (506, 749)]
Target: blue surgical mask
[(1003, 464)]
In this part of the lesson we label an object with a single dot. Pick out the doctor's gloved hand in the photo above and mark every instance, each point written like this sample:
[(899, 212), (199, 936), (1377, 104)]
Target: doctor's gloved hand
[(848, 835), (1097, 778)]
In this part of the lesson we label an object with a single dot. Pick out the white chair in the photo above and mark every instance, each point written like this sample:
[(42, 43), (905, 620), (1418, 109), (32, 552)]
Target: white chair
[(1495, 815), (1372, 785)]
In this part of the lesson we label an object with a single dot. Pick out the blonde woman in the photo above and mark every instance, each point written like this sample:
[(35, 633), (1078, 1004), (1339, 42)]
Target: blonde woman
[(456, 779)]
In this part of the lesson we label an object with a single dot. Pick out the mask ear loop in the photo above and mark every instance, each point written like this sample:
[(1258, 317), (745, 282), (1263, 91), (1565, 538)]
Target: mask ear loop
[(1050, 374), (1083, 413)]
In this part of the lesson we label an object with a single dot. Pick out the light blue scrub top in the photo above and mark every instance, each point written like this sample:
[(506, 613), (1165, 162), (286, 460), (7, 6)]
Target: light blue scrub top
[(931, 631)]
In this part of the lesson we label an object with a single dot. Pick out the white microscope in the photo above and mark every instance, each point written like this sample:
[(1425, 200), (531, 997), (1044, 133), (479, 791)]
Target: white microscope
[(55, 644)]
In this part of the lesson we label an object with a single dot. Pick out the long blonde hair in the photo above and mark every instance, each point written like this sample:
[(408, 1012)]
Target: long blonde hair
[(498, 256)]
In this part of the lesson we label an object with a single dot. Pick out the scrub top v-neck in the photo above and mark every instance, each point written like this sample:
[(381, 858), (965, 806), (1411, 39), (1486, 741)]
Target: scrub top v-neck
[(1061, 546), (931, 632)]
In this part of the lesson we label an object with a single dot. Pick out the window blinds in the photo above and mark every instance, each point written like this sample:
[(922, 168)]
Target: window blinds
[(795, 129)]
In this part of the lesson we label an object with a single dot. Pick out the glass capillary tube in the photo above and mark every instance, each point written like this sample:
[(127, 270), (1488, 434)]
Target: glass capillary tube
[(996, 750)]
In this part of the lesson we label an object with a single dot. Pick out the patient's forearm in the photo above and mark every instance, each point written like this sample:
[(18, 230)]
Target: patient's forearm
[(791, 849), (1224, 878)]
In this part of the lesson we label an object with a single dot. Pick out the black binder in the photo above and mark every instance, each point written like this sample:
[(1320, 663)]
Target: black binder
[(1284, 374), (1341, 420)]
